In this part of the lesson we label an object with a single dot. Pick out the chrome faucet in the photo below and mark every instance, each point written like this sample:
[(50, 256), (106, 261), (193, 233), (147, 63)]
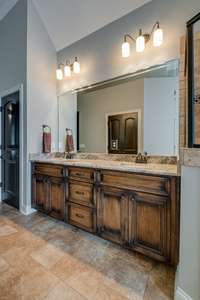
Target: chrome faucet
[(141, 158), (69, 155)]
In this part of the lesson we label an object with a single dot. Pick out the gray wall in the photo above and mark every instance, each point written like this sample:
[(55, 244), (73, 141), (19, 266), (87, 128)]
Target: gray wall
[(41, 82), (13, 49), (13, 63), (94, 106), (189, 270), (100, 52)]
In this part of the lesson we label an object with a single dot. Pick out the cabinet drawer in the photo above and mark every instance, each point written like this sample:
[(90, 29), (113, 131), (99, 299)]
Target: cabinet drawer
[(81, 174), (50, 170), (81, 193), (138, 182), (81, 216)]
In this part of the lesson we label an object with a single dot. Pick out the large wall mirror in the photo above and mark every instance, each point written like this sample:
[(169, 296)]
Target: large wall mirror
[(136, 113), (193, 27)]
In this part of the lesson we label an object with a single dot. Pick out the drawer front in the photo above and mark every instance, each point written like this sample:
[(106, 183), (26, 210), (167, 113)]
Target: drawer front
[(80, 192), (81, 174), (138, 182), (81, 216), (50, 170)]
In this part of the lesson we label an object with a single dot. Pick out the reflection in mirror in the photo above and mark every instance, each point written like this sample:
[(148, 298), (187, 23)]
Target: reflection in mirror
[(135, 114), (196, 62)]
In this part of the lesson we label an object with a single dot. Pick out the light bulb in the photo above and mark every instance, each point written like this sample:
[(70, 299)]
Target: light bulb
[(158, 37), (125, 49), (67, 71), (76, 66), (59, 74), (140, 42)]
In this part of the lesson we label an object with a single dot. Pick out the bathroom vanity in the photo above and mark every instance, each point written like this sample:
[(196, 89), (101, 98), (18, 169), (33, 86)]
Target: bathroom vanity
[(136, 206)]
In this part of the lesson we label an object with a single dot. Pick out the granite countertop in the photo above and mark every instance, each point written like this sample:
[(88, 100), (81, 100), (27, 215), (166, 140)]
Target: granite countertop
[(149, 168)]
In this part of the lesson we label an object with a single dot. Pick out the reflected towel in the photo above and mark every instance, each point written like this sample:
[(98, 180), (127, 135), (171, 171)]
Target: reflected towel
[(46, 142)]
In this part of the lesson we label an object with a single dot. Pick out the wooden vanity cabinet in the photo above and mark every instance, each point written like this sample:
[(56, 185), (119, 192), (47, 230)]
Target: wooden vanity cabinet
[(48, 189), (112, 214), (56, 187), (137, 211), (40, 199), (149, 225)]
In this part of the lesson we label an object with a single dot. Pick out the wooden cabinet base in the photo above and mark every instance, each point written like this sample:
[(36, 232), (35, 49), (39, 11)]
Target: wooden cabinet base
[(137, 211)]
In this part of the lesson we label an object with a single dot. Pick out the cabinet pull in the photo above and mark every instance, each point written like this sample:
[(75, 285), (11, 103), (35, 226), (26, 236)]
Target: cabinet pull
[(80, 216), (78, 174), (80, 193)]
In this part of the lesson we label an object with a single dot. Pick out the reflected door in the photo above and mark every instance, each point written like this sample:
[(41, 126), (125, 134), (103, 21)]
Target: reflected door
[(123, 133), (10, 149)]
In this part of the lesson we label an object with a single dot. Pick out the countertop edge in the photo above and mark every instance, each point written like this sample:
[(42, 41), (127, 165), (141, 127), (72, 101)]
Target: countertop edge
[(107, 167)]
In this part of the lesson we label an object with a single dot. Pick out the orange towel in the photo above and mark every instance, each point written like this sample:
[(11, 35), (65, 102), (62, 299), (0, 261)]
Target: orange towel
[(69, 141)]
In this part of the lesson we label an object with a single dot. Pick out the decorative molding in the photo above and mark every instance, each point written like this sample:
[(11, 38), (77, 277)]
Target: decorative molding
[(181, 295)]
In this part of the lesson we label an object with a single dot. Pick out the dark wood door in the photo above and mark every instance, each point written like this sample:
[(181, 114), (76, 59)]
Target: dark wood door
[(123, 133), (149, 226), (10, 149), (56, 197), (112, 213), (40, 193)]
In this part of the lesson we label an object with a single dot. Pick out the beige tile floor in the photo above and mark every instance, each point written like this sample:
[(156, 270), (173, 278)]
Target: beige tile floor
[(41, 258)]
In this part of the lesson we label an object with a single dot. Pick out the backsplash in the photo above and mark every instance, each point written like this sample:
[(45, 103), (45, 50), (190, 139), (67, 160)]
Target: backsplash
[(103, 156)]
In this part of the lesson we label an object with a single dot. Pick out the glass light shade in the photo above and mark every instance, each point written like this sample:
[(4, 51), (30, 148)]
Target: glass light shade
[(125, 49), (158, 37), (76, 67), (140, 43), (59, 74), (67, 71)]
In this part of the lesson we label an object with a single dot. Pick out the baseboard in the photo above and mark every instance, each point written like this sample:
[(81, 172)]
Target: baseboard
[(181, 295), (27, 211)]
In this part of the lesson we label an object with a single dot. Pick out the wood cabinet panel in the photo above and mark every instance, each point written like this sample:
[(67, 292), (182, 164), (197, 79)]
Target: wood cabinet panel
[(81, 216), (57, 197), (112, 214), (40, 193), (81, 193), (50, 170), (137, 182), (82, 174), (149, 225)]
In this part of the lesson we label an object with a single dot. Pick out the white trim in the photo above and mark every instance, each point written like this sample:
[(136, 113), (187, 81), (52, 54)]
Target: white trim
[(138, 111), (181, 295), (19, 88)]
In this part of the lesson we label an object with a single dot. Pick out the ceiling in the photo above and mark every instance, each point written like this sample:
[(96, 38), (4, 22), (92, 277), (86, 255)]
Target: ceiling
[(67, 21)]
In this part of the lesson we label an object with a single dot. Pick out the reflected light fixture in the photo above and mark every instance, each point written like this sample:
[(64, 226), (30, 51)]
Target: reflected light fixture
[(142, 39), (67, 69)]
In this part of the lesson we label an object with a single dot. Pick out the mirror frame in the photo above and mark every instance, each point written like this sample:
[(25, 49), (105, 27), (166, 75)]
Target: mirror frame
[(190, 80)]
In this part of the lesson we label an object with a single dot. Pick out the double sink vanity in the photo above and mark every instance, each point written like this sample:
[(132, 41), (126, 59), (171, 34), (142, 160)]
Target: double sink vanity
[(102, 189), (134, 205)]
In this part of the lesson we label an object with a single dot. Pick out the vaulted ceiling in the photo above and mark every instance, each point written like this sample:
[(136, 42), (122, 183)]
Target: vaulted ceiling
[(70, 20)]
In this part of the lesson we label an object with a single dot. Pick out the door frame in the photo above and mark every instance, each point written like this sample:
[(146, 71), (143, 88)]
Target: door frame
[(138, 111), (22, 163)]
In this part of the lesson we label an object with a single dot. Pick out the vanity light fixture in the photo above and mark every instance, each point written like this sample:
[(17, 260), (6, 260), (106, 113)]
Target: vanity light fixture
[(142, 39), (67, 69), (59, 73), (76, 66)]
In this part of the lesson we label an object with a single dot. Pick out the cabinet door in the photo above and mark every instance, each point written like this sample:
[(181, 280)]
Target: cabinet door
[(149, 230), (112, 212), (40, 191), (57, 197)]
